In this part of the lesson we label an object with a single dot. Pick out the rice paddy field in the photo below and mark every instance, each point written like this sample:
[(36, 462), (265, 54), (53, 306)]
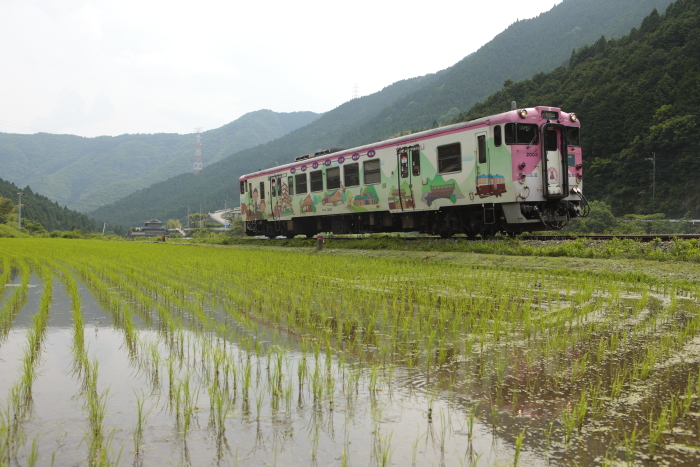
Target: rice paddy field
[(116, 353)]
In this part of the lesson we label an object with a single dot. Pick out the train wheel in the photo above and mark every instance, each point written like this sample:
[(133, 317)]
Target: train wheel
[(447, 233)]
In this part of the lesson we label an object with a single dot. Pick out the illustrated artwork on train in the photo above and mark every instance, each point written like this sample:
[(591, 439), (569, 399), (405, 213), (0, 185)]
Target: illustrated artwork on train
[(518, 171)]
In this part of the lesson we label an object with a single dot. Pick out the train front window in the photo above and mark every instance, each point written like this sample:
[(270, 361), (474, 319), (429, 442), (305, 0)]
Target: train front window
[(572, 135), (300, 180), (333, 178), (242, 188), (449, 158), (316, 180), (550, 139), (521, 133)]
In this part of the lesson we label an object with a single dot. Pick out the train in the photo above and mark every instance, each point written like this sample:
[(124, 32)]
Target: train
[(513, 172)]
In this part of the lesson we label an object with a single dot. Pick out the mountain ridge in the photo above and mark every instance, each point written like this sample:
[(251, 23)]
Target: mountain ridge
[(85, 173), (350, 124)]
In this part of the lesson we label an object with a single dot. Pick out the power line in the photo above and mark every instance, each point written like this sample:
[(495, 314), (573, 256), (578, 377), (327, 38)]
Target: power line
[(24, 127)]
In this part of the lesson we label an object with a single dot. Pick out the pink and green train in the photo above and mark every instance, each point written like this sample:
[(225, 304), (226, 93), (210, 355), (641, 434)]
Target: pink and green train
[(518, 171)]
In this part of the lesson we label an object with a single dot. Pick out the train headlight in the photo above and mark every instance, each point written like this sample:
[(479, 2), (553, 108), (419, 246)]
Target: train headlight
[(573, 117), (522, 113)]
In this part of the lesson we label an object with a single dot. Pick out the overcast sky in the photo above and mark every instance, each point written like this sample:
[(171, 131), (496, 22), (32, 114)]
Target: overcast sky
[(147, 66)]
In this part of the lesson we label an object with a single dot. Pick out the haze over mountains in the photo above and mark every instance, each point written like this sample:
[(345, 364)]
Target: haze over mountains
[(527, 47), (86, 173)]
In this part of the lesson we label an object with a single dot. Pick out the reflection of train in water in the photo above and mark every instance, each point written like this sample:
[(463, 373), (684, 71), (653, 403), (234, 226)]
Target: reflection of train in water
[(513, 172)]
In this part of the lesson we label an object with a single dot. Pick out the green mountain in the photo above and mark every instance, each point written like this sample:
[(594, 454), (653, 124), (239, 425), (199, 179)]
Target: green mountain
[(638, 98), (525, 48), (85, 173), (48, 213), (218, 184)]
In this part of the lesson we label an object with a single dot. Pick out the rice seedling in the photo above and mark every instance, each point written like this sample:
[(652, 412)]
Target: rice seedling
[(141, 420), (518, 448), (514, 336)]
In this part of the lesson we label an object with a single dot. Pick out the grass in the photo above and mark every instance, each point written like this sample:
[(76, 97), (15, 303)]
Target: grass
[(263, 333)]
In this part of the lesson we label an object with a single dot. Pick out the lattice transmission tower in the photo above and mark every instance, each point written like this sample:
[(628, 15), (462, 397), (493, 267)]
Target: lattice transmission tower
[(197, 167), (355, 91)]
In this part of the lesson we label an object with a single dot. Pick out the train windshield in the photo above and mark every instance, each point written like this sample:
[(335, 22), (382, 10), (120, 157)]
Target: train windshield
[(572, 135), (521, 133)]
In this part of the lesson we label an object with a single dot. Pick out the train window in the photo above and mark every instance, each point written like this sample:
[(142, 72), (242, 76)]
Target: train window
[(333, 178), (372, 172), (262, 190), (250, 187), (497, 140), (403, 159), (352, 174), (242, 188), (521, 133), (572, 135), (290, 186), (273, 184), (481, 146), (449, 158), (550, 139), (415, 162), (510, 133), (300, 180), (316, 180)]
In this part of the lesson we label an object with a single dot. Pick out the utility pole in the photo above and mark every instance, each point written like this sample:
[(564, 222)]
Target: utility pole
[(188, 217), (19, 212), (653, 180)]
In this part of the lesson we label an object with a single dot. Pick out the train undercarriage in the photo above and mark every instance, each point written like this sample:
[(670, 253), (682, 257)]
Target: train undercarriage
[(486, 220)]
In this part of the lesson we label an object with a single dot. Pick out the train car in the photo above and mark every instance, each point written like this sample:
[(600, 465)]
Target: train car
[(514, 172)]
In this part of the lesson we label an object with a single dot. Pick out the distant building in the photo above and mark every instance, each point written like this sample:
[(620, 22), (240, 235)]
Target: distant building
[(152, 228)]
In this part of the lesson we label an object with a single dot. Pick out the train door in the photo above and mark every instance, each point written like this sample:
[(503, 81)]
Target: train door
[(484, 181), (403, 196), (273, 196), (555, 172)]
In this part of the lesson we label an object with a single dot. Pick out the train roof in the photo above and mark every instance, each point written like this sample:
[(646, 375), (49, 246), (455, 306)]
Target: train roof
[(504, 117)]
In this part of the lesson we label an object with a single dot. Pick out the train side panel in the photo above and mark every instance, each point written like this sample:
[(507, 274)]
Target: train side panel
[(466, 178)]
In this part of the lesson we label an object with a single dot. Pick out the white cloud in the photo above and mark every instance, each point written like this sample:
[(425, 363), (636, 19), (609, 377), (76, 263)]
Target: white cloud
[(95, 67)]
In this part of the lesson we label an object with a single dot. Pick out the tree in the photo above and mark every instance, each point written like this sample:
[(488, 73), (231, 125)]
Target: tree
[(173, 224), (601, 220), (6, 207)]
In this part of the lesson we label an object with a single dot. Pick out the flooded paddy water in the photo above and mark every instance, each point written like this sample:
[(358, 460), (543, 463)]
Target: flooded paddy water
[(146, 354)]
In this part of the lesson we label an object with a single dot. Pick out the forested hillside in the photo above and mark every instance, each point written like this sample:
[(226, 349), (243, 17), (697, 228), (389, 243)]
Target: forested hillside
[(48, 213), (218, 183), (85, 173), (525, 48), (638, 97)]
